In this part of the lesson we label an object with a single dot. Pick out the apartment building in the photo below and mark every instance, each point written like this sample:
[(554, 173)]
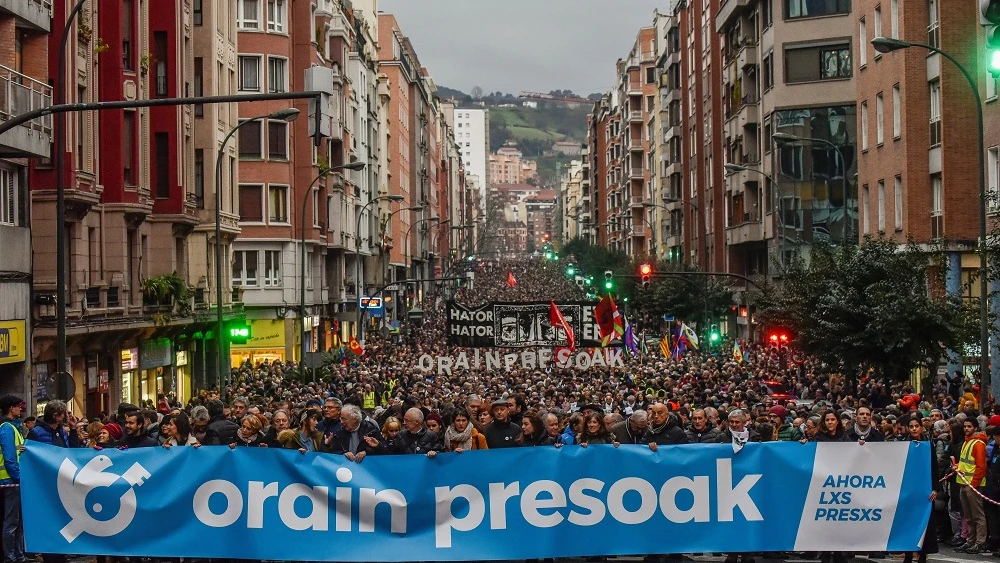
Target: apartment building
[(24, 32), (571, 203), (789, 93), (508, 166), (670, 204), (472, 134)]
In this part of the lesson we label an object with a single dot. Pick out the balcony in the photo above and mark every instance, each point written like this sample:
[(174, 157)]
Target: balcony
[(636, 145), (36, 13), (747, 56), (637, 202), (21, 94), (635, 116), (749, 229), (727, 11), (749, 114)]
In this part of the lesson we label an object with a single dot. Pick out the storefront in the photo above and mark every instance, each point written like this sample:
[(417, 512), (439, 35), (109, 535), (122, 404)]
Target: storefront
[(156, 372), (130, 373), (182, 375), (97, 379), (267, 343), (13, 350)]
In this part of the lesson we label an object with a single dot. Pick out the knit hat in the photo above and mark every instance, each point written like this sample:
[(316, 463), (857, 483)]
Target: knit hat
[(114, 430), (437, 418), (994, 420), (778, 410)]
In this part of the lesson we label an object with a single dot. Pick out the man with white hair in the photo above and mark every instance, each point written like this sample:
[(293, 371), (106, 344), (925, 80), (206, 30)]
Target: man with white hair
[(415, 438), (355, 437), (630, 431)]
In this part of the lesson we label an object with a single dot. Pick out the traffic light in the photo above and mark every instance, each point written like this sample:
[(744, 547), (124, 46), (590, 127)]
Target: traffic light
[(571, 270), (713, 335), (548, 255), (589, 280), (608, 282), (645, 271), (778, 339), (239, 333), (989, 17)]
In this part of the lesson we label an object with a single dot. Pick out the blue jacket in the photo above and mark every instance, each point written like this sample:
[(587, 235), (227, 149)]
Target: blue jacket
[(568, 437), (9, 450), (44, 433)]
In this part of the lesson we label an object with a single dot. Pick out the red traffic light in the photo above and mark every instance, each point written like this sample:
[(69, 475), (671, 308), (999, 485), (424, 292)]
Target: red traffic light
[(645, 269), (773, 337)]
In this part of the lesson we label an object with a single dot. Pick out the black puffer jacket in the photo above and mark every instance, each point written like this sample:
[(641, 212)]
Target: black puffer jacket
[(669, 433), (420, 443)]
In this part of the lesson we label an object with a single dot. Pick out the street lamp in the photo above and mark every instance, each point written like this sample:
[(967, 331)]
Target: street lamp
[(356, 165), (286, 114), (358, 282), (734, 168), (888, 45), (406, 240), (789, 138)]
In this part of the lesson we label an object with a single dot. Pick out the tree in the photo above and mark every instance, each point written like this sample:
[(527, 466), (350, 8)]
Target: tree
[(876, 306), (476, 93)]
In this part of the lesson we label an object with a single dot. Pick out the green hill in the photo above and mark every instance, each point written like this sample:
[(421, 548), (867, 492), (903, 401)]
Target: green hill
[(536, 129)]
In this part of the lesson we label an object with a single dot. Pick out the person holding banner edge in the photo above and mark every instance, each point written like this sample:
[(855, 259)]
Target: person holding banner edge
[(914, 425)]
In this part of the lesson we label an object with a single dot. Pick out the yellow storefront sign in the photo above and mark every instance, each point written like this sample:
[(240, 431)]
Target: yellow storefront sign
[(12, 342), (264, 334)]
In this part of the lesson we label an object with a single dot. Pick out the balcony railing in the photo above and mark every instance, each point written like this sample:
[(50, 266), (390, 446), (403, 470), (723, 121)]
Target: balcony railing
[(20, 94)]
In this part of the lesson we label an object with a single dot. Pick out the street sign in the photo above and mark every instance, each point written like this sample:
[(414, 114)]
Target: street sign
[(393, 287), (373, 305)]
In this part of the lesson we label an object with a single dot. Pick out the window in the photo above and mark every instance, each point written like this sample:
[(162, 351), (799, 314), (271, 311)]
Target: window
[(937, 206), (160, 63), (276, 74), (935, 100), (894, 19), (932, 25), (766, 14), (277, 198), (827, 62), (768, 64), (127, 21), (272, 268), (862, 44), (8, 196), (250, 141), (248, 14), (812, 8), (276, 16), (877, 31), (250, 73), (897, 206), (199, 85), (993, 176), (251, 203), (277, 140), (864, 126), (129, 148), (879, 119), (897, 120), (245, 268), (867, 210), (196, 13), (161, 146), (881, 205), (315, 204), (651, 75), (199, 178)]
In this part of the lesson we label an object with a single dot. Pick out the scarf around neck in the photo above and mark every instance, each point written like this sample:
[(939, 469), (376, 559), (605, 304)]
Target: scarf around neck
[(455, 439), (740, 439)]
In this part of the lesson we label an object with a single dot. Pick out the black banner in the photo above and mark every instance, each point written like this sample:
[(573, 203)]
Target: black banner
[(522, 325)]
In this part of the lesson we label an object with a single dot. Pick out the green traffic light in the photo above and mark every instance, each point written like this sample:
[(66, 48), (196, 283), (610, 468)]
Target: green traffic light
[(588, 281), (625, 300), (570, 271), (608, 285), (994, 64), (714, 337)]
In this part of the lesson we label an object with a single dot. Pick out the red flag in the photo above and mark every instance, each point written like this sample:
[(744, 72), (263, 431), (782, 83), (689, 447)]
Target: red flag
[(608, 319), (511, 282), (355, 347), (557, 319)]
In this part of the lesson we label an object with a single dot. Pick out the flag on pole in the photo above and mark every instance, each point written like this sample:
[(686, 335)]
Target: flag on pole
[(737, 352), (689, 335), (355, 347), (511, 281), (608, 320), (556, 319), (665, 345), (642, 344), (630, 339)]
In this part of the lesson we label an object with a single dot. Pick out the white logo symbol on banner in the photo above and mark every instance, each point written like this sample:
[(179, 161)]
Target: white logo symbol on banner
[(74, 485)]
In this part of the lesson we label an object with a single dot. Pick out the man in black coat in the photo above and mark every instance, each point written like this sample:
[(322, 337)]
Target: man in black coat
[(355, 437), (135, 432), (664, 428), (220, 431), (863, 430), (631, 430), (701, 431), (415, 438)]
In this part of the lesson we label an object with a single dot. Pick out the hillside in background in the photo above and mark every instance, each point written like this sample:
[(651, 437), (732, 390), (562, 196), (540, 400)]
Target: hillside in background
[(534, 130)]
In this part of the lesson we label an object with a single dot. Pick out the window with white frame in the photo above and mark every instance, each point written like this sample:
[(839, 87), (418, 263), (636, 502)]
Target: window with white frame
[(894, 19), (272, 268), (865, 205), (933, 23), (937, 196), (249, 73), (897, 204), (8, 196), (897, 119), (864, 126), (879, 119), (935, 103), (862, 43), (277, 200), (877, 32), (993, 177), (881, 205), (315, 202), (277, 74), (276, 16), (245, 268), (277, 139), (248, 14)]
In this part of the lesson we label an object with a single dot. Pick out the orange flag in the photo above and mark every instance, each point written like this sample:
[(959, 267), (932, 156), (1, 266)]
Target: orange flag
[(355, 347), (511, 282)]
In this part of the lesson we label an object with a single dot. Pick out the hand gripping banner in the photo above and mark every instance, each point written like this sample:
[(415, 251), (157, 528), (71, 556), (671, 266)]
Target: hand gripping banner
[(479, 505)]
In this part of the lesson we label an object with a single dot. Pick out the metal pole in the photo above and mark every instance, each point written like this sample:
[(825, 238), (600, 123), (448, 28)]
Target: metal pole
[(358, 282), (59, 130), (302, 277)]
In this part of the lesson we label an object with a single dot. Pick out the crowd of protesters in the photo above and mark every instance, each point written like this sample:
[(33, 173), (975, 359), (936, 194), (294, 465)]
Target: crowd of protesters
[(381, 403)]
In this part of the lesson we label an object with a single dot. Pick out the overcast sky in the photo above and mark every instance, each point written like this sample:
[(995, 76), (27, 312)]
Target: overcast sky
[(514, 45)]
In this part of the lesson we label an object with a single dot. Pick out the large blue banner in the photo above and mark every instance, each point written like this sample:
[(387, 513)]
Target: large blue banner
[(506, 504)]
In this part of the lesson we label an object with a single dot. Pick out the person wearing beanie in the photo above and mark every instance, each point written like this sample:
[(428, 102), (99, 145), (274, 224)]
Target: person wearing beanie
[(783, 430)]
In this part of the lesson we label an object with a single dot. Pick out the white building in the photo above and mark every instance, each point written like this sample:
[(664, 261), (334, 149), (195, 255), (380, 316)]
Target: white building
[(472, 134)]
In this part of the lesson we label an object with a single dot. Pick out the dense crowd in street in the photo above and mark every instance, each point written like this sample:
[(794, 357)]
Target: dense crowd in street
[(382, 404)]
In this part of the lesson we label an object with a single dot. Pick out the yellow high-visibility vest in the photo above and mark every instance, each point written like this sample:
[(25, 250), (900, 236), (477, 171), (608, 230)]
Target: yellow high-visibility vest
[(18, 442), (967, 465)]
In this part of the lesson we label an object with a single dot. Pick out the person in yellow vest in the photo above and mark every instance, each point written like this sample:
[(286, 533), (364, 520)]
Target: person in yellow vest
[(11, 446), (971, 468)]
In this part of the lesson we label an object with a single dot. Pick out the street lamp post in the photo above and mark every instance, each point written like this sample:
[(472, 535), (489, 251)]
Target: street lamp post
[(406, 238), (358, 282), (887, 45), (356, 165), (286, 114), (789, 138)]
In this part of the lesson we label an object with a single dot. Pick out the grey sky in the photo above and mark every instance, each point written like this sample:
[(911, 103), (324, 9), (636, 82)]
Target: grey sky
[(514, 45)]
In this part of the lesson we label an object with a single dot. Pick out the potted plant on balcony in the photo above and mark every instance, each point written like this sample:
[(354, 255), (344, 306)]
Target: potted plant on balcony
[(166, 293)]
